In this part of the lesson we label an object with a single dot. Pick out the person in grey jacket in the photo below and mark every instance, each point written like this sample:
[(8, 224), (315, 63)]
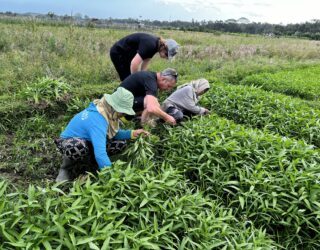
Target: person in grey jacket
[(184, 101)]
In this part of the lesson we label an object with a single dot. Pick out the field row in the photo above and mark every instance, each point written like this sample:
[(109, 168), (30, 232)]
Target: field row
[(291, 117), (303, 83), (238, 187), (270, 180), (127, 208)]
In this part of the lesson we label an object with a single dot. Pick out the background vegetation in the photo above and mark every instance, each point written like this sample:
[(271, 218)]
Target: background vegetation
[(309, 29)]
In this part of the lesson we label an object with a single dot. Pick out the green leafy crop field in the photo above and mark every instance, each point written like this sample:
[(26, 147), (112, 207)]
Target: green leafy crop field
[(303, 83), (246, 176)]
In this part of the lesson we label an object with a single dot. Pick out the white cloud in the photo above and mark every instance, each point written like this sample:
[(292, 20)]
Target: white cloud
[(262, 4), (215, 4), (273, 11), (191, 5)]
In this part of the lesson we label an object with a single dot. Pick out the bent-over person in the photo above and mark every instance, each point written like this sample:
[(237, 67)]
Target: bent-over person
[(134, 52), (95, 132), (184, 101)]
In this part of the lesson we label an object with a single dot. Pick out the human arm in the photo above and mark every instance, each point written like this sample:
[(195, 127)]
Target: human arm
[(130, 134), (137, 132), (152, 106), (123, 135), (136, 63), (145, 64), (98, 136)]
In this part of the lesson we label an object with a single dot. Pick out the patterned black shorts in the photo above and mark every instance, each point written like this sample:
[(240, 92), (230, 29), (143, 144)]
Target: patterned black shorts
[(74, 148), (79, 149)]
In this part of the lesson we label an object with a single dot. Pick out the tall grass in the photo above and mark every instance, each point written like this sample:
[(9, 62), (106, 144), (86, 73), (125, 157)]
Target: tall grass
[(80, 55)]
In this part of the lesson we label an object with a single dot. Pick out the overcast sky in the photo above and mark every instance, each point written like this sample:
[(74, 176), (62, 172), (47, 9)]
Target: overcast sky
[(271, 11)]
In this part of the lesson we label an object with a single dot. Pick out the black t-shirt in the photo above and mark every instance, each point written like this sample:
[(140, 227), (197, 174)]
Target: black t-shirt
[(144, 44), (141, 83)]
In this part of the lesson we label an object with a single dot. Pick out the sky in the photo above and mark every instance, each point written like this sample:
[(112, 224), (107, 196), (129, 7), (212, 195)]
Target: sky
[(270, 11)]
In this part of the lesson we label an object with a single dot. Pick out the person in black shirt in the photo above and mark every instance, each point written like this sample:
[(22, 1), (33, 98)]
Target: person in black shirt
[(144, 86), (133, 52)]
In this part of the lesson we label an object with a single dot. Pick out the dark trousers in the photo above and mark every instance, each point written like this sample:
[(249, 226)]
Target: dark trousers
[(179, 114), (121, 63)]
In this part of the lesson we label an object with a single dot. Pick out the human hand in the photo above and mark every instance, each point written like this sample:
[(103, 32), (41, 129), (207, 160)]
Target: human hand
[(171, 120), (138, 132), (206, 111)]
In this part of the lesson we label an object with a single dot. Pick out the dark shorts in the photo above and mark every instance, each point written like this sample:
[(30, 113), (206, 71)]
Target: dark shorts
[(176, 113), (77, 149), (121, 63)]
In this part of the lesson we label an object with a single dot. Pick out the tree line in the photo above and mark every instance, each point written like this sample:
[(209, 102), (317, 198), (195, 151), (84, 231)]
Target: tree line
[(310, 30)]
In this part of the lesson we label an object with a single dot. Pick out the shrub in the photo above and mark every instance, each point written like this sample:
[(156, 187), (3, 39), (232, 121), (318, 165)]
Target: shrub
[(46, 91)]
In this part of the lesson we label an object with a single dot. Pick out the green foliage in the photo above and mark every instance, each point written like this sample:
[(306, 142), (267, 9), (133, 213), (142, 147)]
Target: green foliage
[(270, 181), (76, 105), (265, 110), (142, 148), (46, 90), (158, 211), (33, 136), (207, 184), (303, 83), (4, 43), (12, 110)]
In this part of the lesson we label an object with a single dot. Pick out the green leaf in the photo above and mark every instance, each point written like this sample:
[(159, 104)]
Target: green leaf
[(93, 246), (47, 245), (241, 199), (79, 229), (106, 244), (18, 244), (144, 202), (84, 240), (8, 236)]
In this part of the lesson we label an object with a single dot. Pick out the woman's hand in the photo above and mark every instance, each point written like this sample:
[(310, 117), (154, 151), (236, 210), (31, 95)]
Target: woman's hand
[(206, 112), (138, 132)]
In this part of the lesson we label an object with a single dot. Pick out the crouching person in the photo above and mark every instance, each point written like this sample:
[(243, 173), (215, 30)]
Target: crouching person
[(184, 101), (95, 132)]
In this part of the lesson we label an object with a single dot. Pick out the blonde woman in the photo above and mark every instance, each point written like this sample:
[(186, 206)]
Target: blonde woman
[(95, 132)]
